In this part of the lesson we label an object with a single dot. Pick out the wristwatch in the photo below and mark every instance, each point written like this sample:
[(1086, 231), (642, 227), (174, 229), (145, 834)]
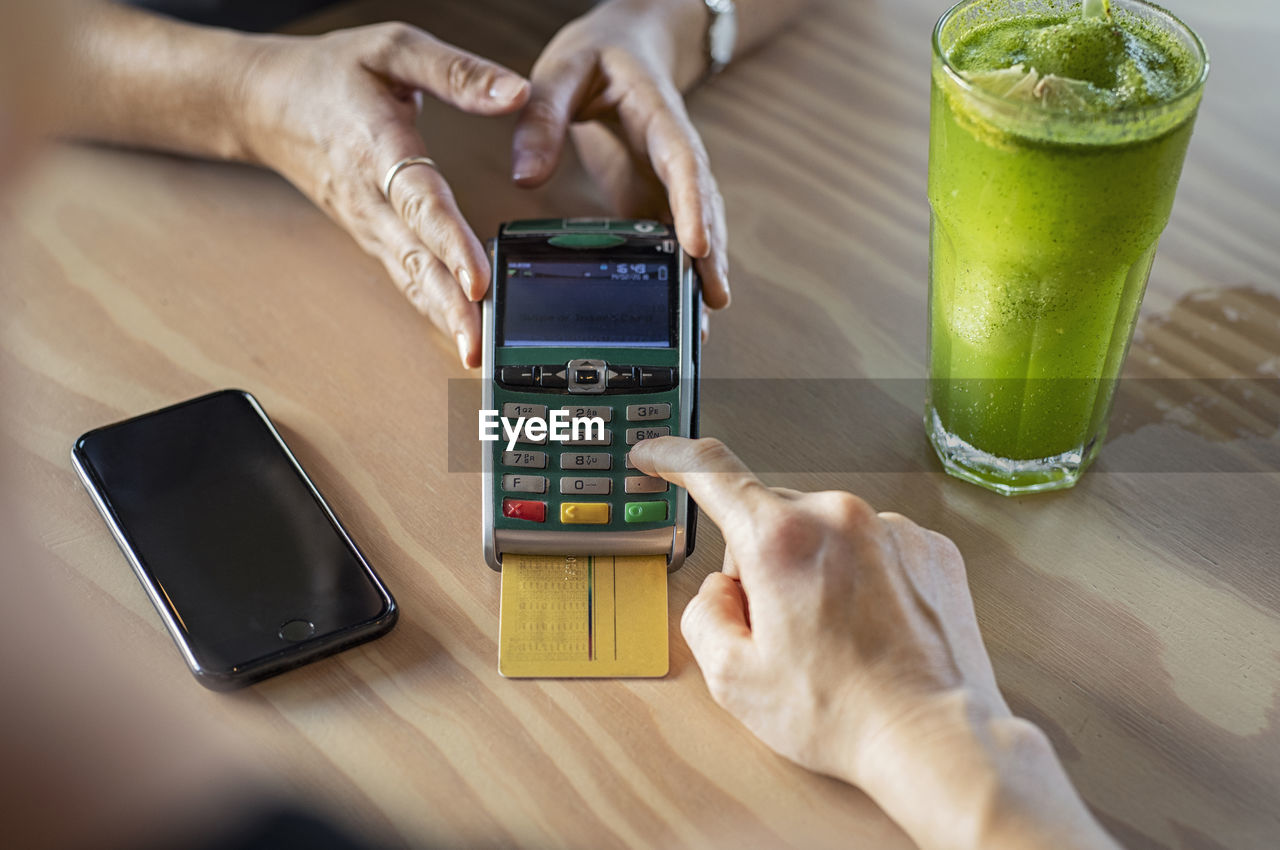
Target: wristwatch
[(722, 35)]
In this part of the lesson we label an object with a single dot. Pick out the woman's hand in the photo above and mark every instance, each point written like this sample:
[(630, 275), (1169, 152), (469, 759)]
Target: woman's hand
[(616, 75), (830, 622), (333, 113), (846, 640)]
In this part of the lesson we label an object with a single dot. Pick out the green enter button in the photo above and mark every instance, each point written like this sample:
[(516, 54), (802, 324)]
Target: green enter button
[(645, 511)]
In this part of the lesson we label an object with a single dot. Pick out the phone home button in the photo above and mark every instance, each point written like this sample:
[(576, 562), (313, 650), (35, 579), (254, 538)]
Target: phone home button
[(296, 630)]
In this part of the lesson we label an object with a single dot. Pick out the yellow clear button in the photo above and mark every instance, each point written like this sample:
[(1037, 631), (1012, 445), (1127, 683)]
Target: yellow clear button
[(584, 513)]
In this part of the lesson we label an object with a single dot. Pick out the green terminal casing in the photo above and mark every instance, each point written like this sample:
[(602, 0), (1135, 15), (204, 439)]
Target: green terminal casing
[(604, 240)]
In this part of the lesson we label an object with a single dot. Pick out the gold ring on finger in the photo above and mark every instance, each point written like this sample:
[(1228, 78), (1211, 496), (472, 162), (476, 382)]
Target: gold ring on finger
[(404, 163)]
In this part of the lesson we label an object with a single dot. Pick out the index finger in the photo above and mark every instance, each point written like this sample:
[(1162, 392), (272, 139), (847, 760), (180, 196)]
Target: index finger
[(469, 82), (718, 481), (558, 88), (423, 200), (681, 163)]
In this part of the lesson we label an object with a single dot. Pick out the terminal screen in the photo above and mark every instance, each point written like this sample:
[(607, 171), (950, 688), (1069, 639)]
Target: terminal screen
[(613, 302)]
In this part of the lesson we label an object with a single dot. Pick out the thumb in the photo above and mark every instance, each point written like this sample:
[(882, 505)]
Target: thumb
[(461, 79), (715, 627)]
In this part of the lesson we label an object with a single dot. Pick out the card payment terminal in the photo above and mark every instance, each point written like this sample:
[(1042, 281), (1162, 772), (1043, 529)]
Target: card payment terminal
[(598, 318)]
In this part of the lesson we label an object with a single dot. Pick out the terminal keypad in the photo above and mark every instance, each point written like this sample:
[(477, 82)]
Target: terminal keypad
[(576, 482)]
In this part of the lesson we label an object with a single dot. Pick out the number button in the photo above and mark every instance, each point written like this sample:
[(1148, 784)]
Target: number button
[(635, 435), (524, 436), (648, 412), (528, 460), (586, 460), (589, 412), (586, 486), (588, 437), (524, 484), (643, 484), (515, 409)]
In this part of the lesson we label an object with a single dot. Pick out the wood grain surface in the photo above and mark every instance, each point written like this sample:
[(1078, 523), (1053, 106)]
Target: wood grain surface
[(1136, 618)]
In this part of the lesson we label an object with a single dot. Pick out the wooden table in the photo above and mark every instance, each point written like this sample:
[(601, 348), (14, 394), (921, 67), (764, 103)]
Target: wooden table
[(1137, 618)]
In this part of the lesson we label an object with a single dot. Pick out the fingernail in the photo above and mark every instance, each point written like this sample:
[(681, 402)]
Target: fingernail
[(464, 348), (507, 88), (527, 165), (464, 278)]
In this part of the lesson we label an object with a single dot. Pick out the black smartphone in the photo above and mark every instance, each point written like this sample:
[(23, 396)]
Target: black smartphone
[(249, 568)]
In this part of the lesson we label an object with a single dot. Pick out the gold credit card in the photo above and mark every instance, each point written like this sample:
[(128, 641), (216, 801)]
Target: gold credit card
[(564, 616)]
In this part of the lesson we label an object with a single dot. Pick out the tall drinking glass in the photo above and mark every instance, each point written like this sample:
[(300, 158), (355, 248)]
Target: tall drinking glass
[(1045, 217)]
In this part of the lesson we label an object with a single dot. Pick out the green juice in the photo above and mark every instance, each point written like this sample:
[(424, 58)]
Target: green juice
[(1056, 142)]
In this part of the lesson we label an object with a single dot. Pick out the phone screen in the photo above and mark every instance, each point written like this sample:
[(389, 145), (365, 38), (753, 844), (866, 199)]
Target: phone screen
[(227, 529)]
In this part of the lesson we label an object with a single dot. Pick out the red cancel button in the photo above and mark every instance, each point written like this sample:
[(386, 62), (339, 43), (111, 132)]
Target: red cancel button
[(524, 509)]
